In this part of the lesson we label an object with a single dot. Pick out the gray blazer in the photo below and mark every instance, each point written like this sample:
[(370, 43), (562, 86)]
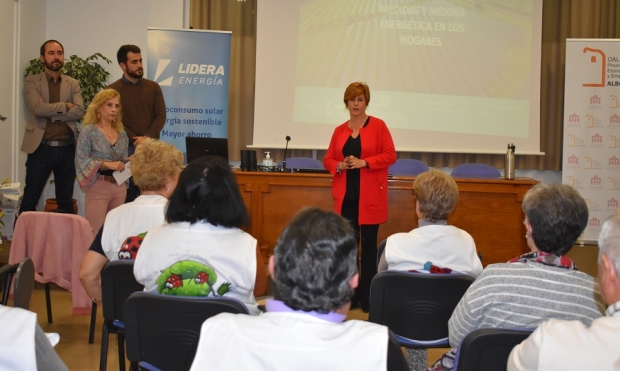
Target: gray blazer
[(36, 87)]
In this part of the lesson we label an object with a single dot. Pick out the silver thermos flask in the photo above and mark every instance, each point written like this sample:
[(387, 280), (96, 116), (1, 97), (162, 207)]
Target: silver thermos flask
[(509, 162)]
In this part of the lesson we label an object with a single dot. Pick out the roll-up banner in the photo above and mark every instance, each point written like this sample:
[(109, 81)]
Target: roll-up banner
[(591, 159), (192, 68)]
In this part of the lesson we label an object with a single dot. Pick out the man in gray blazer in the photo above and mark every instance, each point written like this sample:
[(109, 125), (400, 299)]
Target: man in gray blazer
[(55, 104)]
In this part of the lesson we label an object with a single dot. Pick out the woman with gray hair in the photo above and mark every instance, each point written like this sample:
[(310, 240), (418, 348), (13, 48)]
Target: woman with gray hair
[(547, 348), (535, 286), (314, 272)]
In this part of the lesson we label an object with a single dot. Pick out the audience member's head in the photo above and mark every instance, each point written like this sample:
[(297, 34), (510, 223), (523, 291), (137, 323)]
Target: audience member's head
[(555, 216), (156, 166), (609, 259), (314, 267), (207, 191), (436, 194)]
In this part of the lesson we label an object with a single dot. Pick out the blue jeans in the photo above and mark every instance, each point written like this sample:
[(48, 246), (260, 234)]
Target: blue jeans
[(39, 165)]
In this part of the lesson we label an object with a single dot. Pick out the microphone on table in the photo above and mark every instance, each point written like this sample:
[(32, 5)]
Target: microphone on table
[(284, 169)]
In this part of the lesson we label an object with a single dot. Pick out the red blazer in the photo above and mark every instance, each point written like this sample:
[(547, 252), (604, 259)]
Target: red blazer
[(378, 151)]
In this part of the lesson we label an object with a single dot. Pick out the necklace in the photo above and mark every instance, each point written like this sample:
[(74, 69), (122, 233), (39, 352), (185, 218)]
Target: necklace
[(108, 132), (357, 124)]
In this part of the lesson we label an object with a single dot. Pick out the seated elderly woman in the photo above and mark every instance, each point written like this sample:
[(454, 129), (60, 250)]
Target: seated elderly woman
[(538, 285), (155, 167), (434, 240), (445, 246), (314, 272), (201, 250)]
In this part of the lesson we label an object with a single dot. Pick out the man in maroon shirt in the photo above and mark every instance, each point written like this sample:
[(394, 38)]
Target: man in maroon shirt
[(144, 109)]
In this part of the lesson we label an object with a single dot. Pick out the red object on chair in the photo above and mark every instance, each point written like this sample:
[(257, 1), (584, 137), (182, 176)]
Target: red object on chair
[(56, 243)]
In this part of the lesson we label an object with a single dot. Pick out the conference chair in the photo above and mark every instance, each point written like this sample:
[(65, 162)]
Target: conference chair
[(23, 276), (163, 331), (487, 349), (475, 170), (117, 284), (416, 306), (407, 166), (380, 250), (302, 163), (56, 243)]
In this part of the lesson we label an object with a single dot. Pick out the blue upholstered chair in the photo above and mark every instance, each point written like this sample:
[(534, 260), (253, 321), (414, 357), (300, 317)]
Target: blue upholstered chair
[(416, 306), (487, 349), (117, 284), (162, 331), (302, 163), (407, 166), (475, 170)]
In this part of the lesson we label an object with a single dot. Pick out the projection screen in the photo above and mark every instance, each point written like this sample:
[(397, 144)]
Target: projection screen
[(445, 75)]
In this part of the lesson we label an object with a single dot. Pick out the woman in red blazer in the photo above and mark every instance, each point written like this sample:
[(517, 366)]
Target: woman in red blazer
[(359, 154)]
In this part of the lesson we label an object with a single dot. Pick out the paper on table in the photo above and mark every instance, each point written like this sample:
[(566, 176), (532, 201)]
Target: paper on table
[(122, 176), (9, 188)]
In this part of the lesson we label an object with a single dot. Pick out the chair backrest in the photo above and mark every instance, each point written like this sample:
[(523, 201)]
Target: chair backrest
[(302, 163), (24, 284), (475, 170), (117, 284), (23, 273), (488, 349), (380, 250), (163, 330), (416, 306), (407, 166)]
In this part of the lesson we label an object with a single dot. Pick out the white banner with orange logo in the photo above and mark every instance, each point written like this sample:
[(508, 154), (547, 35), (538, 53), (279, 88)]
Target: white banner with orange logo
[(591, 162)]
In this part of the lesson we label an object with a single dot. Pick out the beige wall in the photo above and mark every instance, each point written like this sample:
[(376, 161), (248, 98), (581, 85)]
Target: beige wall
[(84, 27), (586, 258)]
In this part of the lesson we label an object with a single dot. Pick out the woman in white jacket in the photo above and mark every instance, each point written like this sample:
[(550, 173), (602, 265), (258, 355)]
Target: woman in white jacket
[(201, 250)]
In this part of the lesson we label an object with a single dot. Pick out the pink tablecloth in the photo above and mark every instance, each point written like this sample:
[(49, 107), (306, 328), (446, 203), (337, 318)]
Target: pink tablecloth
[(56, 243)]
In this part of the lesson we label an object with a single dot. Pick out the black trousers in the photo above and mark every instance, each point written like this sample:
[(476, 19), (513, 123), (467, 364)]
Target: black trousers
[(367, 233), (39, 165)]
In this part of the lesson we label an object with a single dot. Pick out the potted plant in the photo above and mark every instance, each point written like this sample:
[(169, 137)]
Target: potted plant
[(88, 72)]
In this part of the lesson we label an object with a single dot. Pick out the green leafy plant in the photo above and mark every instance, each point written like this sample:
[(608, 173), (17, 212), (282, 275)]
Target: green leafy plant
[(88, 72)]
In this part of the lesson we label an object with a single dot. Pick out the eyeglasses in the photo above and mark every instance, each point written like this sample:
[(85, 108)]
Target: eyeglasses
[(5, 183)]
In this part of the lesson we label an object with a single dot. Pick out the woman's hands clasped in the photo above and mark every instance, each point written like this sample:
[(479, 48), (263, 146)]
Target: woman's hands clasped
[(352, 162)]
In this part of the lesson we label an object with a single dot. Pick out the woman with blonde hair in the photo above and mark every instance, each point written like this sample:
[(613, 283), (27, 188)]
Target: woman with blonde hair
[(155, 167), (446, 246), (101, 149)]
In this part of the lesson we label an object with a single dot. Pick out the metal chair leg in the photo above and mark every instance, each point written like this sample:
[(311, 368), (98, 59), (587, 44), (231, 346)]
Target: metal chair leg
[(103, 360), (121, 351), (93, 322), (7, 288), (48, 301)]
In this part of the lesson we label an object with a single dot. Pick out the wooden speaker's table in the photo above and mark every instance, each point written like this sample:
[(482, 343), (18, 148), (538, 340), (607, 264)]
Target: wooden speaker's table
[(489, 209)]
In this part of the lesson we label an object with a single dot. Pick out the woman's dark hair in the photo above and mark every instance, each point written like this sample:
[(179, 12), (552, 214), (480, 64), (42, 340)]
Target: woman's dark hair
[(315, 258), (557, 214), (207, 190)]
